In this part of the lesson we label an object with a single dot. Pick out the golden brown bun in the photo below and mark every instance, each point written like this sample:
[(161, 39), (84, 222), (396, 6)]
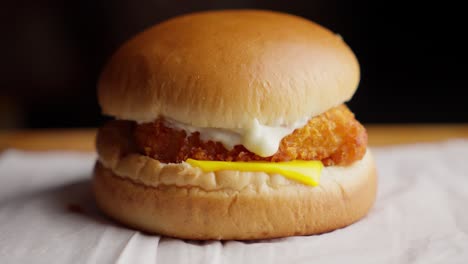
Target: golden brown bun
[(344, 195), (225, 68)]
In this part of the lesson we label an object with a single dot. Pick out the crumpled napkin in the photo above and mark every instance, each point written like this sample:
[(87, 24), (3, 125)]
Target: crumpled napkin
[(47, 215)]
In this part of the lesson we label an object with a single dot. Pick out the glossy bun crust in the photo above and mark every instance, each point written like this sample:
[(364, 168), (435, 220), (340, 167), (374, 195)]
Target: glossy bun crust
[(225, 68)]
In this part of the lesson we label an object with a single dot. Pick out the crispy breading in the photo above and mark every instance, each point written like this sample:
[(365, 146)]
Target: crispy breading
[(334, 137)]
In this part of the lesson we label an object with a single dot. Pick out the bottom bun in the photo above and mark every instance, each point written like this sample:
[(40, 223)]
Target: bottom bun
[(345, 195)]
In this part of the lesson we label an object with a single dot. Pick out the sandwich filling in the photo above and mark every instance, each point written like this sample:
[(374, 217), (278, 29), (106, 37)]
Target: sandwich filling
[(334, 138), (257, 138)]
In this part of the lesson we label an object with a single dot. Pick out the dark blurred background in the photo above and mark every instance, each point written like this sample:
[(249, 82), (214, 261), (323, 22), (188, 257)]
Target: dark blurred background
[(411, 55)]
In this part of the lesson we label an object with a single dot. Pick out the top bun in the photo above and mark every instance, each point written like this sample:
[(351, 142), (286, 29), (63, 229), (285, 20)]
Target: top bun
[(224, 69)]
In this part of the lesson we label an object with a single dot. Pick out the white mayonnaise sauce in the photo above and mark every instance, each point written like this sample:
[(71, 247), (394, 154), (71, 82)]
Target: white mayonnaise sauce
[(257, 138)]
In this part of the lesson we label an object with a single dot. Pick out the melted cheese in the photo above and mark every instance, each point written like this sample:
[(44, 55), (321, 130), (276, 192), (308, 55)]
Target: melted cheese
[(260, 139), (305, 172)]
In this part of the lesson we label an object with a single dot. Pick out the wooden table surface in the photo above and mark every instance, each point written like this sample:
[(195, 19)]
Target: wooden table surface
[(83, 139)]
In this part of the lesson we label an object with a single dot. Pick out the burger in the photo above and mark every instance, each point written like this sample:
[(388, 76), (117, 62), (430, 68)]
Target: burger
[(232, 125)]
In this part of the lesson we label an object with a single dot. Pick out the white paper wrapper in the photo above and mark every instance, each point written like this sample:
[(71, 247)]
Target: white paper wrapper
[(47, 215)]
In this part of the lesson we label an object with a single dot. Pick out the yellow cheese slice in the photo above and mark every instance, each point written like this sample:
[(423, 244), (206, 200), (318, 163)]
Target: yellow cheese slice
[(306, 172)]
